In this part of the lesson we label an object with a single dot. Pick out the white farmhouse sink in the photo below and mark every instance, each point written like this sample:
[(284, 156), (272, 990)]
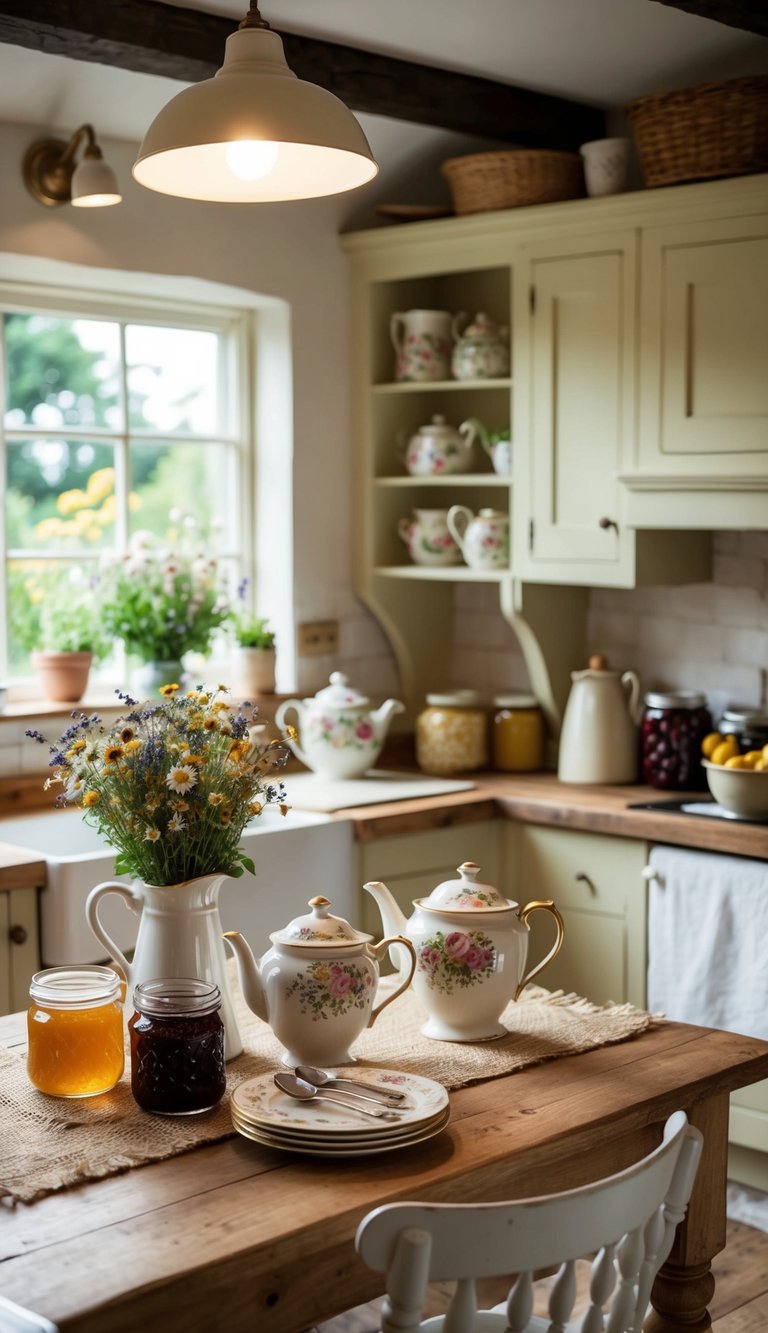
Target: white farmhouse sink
[(296, 856)]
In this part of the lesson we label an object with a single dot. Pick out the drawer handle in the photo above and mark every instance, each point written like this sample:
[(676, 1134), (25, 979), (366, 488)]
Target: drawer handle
[(581, 878), (607, 523), (18, 934)]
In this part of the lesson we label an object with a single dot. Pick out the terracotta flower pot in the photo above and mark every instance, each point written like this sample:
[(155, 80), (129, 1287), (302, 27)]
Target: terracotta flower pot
[(63, 676)]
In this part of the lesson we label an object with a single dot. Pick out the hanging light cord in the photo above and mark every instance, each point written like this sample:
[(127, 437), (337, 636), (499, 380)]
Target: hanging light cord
[(253, 19)]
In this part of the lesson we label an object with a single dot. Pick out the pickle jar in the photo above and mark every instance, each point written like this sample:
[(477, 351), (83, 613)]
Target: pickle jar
[(452, 733), (517, 734), (75, 1031), (177, 1046)]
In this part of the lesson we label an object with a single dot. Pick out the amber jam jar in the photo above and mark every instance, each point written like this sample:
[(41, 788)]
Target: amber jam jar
[(672, 729), (517, 733), (177, 1046), (75, 1031)]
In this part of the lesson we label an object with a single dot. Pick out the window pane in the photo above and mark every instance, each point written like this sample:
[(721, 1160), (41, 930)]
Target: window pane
[(61, 372), (172, 379), (60, 495), (192, 478)]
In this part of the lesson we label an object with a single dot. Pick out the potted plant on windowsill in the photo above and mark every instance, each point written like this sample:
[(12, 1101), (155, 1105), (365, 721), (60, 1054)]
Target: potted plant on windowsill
[(70, 639), (255, 655)]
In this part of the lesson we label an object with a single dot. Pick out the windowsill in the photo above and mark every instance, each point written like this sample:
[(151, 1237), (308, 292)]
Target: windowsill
[(104, 700)]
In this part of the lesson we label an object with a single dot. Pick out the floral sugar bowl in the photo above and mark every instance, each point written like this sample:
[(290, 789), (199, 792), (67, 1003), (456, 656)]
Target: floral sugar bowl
[(471, 951), (339, 734), (481, 351), (316, 986)]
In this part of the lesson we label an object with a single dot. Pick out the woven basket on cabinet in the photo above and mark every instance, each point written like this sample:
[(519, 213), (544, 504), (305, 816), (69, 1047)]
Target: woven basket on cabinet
[(481, 182), (701, 133)]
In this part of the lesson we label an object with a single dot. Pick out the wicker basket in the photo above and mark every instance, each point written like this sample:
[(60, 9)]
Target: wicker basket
[(715, 129), (481, 182)]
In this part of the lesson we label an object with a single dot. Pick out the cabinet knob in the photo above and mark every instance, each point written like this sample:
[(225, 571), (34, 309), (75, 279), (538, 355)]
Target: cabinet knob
[(651, 876), (18, 934), (606, 523), (581, 878)]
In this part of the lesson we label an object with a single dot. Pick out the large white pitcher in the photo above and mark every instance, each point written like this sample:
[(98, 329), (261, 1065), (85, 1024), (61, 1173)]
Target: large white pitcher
[(422, 340), (180, 935), (482, 538), (599, 737)]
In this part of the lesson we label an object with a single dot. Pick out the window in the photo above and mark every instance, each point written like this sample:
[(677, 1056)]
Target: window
[(116, 417)]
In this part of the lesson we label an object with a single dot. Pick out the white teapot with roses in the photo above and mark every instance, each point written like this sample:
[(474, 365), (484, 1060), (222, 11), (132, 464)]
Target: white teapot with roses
[(339, 734), (471, 951)]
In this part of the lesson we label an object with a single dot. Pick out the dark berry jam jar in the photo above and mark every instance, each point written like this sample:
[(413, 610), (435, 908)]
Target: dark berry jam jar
[(673, 727), (177, 1046), (748, 726)]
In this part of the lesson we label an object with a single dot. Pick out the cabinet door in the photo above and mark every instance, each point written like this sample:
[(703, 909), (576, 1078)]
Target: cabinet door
[(19, 952), (597, 883), (704, 349), (578, 418)]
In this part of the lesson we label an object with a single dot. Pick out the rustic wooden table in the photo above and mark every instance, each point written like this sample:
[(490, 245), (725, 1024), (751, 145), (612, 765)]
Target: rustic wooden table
[(239, 1237)]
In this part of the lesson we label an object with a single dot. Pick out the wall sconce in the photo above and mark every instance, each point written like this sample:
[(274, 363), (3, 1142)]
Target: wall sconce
[(51, 175), (254, 133)]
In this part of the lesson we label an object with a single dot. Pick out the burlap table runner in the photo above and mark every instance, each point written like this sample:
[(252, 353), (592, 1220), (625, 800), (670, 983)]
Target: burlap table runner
[(48, 1144)]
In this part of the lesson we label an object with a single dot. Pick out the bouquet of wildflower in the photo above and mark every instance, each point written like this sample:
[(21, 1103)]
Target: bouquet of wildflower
[(164, 599), (172, 785)]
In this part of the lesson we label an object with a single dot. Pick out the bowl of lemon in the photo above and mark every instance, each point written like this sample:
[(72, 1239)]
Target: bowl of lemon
[(738, 782)]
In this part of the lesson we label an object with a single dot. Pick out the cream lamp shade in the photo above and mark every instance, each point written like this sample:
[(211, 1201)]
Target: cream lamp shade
[(254, 133), (94, 184)]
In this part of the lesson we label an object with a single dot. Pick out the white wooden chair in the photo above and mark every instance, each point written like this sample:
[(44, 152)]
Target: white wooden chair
[(626, 1221)]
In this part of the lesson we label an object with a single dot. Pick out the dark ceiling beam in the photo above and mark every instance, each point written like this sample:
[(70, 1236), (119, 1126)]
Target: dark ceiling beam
[(750, 15), (185, 44)]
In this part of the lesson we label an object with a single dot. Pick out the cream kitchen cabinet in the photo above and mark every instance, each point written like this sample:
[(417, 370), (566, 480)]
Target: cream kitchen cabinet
[(19, 953), (597, 883)]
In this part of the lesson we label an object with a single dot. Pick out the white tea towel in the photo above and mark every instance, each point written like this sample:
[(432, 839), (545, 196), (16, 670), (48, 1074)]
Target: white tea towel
[(708, 940)]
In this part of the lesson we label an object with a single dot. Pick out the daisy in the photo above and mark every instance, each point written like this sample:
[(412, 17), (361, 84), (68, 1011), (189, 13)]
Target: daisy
[(176, 824), (152, 835), (182, 778)]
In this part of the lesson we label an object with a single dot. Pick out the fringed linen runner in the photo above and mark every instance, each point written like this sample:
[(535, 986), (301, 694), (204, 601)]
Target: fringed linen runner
[(50, 1144)]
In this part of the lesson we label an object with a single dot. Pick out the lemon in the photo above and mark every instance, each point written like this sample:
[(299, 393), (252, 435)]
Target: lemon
[(736, 761), (765, 753), (762, 765), (727, 749), (710, 743), (752, 758)]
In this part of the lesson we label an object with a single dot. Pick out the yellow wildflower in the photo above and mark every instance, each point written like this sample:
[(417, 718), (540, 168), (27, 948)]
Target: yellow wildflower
[(168, 691), (132, 746), (113, 753), (215, 798), (91, 798), (284, 809)]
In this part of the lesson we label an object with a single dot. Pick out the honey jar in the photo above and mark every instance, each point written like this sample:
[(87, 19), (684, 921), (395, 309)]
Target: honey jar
[(75, 1031), (452, 733), (517, 733), (177, 1046)]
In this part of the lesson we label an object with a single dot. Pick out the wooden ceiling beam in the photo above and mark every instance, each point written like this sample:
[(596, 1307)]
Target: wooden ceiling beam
[(186, 44), (750, 15)]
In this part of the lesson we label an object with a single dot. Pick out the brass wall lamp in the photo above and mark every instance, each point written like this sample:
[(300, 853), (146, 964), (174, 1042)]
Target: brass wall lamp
[(53, 177)]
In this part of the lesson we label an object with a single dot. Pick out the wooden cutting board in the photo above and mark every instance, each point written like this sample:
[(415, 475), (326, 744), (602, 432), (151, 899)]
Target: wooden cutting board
[(308, 791)]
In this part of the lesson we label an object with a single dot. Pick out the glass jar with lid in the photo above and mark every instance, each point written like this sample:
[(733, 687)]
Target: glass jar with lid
[(452, 733), (517, 733), (177, 1046), (674, 725), (749, 726), (75, 1031)]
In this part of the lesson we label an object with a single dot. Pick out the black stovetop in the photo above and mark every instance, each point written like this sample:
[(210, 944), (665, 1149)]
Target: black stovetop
[(693, 807)]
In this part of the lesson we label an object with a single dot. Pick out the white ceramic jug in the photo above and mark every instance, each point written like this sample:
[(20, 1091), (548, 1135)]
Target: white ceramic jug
[(427, 537), (482, 538), (422, 340), (599, 737)]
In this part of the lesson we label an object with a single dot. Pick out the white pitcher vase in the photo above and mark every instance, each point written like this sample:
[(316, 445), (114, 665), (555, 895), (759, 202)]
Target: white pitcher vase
[(180, 935)]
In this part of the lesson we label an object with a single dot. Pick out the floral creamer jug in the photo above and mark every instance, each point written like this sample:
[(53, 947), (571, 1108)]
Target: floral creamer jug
[(422, 342), (438, 448), (599, 736), (481, 351), (482, 538), (471, 951), (496, 444), (427, 537), (339, 734), (316, 986)]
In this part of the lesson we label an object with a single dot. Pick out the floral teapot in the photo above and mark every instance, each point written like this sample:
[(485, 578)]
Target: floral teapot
[(316, 986), (481, 351), (471, 950), (341, 736), (438, 448)]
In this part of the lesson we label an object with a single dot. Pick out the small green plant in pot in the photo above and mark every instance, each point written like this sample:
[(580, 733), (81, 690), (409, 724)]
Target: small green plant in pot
[(255, 651), (69, 638)]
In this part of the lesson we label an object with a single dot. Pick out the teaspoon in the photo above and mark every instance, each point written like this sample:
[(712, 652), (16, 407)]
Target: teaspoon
[(319, 1079), (304, 1092)]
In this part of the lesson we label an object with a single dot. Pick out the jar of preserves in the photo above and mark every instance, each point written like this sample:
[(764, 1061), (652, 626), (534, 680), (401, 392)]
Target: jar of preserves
[(452, 733), (517, 733), (674, 725), (748, 726), (75, 1031), (177, 1046)]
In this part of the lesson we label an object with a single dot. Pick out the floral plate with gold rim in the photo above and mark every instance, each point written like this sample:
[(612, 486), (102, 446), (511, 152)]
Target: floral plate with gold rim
[(259, 1103), (314, 1146)]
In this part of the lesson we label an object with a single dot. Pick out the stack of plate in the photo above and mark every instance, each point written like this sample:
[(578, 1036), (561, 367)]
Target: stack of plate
[(321, 1128)]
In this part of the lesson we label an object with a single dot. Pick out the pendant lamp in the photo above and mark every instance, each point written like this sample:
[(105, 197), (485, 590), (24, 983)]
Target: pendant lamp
[(254, 133)]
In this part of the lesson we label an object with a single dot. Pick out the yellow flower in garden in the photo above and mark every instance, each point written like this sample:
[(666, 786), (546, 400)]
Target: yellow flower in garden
[(90, 799), (70, 502), (168, 691), (101, 484)]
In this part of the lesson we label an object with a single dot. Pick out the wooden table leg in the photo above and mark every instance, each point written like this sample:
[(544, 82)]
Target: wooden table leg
[(685, 1285)]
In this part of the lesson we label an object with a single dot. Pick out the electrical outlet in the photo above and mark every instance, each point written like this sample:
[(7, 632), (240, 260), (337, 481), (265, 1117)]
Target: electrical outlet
[(318, 638)]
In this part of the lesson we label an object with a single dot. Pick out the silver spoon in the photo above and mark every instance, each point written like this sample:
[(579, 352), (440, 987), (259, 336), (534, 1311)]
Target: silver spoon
[(319, 1079), (304, 1092)]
